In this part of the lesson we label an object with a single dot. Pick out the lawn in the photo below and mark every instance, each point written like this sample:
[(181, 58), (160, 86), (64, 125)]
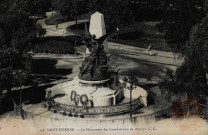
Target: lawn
[(141, 34), (57, 45)]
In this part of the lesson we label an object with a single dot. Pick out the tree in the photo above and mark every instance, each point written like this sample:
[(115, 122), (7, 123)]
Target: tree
[(190, 77), (116, 12), (34, 7), (178, 19), (71, 8), (149, 10), (195, 52), (17, 29), (15, 68), (4, 4), (16, 34)]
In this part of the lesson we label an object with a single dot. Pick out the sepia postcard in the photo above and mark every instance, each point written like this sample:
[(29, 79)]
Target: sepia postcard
[(103, 67)]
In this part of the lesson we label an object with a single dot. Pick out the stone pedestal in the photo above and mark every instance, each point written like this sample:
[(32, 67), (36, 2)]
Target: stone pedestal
[(101, 96)]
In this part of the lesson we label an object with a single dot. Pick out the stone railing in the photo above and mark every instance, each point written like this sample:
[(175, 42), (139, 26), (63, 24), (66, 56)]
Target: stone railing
[(136, 118), (106, 110)]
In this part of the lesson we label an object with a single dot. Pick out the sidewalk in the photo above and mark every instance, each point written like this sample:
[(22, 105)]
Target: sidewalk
[(162, 57), (61, 31), (57, 56), (117, 46)]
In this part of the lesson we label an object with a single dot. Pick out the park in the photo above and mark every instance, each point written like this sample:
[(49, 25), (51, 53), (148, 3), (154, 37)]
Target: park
[(89, 64)]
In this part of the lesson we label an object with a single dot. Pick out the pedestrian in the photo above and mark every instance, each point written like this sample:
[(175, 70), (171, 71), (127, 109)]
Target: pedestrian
[(117, 30), (56, 26), (149, 49)]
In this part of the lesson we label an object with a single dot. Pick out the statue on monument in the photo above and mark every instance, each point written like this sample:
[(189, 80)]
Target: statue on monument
[(95, 65)]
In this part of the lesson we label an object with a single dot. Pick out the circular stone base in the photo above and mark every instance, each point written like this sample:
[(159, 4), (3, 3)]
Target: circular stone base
[(93, 82), (100, 96)]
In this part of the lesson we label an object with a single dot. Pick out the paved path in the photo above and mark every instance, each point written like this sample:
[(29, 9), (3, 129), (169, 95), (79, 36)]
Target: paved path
[(61, 30), (162, 57), (57, 56)]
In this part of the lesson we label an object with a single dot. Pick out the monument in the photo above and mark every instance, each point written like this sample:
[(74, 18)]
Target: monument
[(97, 90)]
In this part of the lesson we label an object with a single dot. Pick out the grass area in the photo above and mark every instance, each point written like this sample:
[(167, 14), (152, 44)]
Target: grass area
[(79, 28), (141, 34), (48, 66), (57, 45)]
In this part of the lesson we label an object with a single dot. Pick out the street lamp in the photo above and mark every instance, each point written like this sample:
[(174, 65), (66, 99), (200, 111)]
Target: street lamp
[(19, 78), (133, 84), (75, 12)]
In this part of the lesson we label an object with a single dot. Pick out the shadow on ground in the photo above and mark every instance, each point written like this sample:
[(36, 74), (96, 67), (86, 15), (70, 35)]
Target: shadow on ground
[(138, 68), (48, 66)]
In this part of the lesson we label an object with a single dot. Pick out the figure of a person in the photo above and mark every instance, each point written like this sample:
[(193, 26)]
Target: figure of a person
[(96, 49), (56, 26), (149, 49), (117, 30)]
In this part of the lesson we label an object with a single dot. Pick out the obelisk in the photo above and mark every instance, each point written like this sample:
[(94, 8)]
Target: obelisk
[(97, 28)]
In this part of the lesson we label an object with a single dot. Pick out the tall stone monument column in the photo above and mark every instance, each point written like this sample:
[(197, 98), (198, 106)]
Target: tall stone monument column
[(97, 28)]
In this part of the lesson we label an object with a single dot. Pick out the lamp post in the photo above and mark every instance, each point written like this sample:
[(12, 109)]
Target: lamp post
[(20, 76), (133, 83), (75, 12)]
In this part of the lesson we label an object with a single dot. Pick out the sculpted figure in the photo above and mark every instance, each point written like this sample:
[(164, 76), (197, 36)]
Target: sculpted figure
[(94, 66)]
